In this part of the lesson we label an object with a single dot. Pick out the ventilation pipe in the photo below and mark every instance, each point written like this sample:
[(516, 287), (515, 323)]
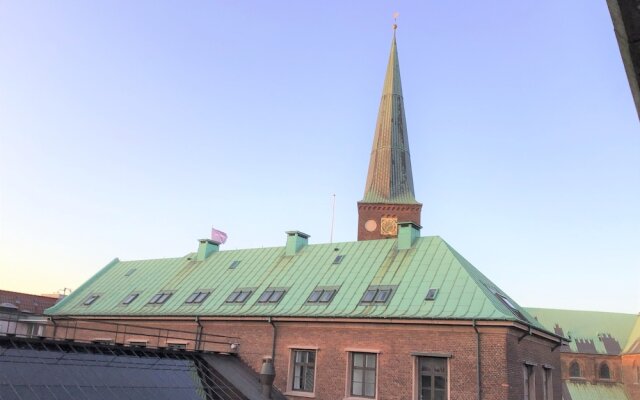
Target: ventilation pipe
[(408, 232)]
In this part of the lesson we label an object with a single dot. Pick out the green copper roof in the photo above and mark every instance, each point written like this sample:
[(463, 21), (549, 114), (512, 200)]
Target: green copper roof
[(463, 292), (588, 391), (593, 331), (389, 179)]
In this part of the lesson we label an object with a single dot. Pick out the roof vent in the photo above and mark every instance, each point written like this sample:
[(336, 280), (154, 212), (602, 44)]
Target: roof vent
[(296, 240), (408, 232), (205, 248)]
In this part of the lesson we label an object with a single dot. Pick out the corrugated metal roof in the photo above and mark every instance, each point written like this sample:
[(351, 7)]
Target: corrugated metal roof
[(588, 391), (390, 178), (464, 293), (592, 331)]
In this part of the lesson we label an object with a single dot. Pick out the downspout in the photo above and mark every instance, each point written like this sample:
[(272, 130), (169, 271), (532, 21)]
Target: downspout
[(475, 328), (55, 326), (198, 334), (273, 345)]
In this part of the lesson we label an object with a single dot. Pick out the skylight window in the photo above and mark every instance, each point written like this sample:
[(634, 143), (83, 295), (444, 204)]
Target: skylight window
[(377, 295), (197, 297), (431, 294), (129, 272), (130, 298), (512, 307), (271, 296), (160, 298), (239, 296), (234, 264), (338, 259), (320, 295), (89, 300)]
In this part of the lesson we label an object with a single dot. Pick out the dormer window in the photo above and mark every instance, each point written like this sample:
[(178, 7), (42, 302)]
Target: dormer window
[(239, 296), (197, 297), (322, 295), (130, 298), (160, 298)]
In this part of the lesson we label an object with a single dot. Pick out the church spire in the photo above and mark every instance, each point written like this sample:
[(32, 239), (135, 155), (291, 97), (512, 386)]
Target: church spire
[(389, 196), (389, 179)]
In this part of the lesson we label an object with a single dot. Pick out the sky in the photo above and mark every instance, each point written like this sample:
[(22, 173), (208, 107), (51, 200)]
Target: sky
[(129, 129)]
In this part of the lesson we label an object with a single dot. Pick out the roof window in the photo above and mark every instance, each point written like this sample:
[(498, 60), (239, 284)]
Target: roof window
[(129, 272), (197, 297), (320, 295), (338, 259), (130, 298), (234, 264), (431, 294), (271, 296), (160, 298), (89, 300), (512, 307), (377, 295), (239, 296)]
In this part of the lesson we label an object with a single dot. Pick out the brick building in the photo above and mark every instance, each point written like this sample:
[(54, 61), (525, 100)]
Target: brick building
[(391, 316), (22, 313)]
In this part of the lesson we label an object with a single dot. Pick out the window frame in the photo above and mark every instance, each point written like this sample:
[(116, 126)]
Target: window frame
[(89, 300), (547, 383), (193, 297), (372, 293), (292, 370), (236, 297), (350, 373), (577, 364), (609, 372), (322, 292), (417, 372), (130, 298), (271, 296), (160, 298), (529, 381)]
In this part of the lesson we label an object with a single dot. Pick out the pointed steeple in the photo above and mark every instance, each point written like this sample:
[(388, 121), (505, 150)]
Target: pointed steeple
[(390, 180), (389, 198)]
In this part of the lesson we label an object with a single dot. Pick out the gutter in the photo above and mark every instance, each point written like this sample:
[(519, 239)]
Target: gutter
[(478, 375)]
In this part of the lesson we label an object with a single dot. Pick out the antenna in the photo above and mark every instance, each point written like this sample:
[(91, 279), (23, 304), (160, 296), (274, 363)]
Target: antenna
[(395, 21), (333, 218)]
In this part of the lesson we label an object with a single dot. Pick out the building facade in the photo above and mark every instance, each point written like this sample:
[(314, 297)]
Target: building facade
[(393, 315)]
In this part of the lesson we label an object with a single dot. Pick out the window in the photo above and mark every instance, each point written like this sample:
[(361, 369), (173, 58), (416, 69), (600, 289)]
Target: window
[(130, 298), (547, 384), (304, 364), (239, 296), (234, 264), (89, 300), (363, 374), (136, 343), (432, 378), (604, 372), (160, 298), (529, 382), (271, 296), (176, 346), (574, 370), (338, 260), (197, 297), (129, 272), (431, 294), (377, 295), (322, 295), (512, 307)]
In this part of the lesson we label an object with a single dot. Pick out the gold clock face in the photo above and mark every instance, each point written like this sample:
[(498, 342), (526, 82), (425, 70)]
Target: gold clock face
[(389, 226), (370, 225)]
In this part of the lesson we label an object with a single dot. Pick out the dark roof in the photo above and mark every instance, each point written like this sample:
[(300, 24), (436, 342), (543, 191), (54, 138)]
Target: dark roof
[(626, 23), (47, 369), (30, 303)]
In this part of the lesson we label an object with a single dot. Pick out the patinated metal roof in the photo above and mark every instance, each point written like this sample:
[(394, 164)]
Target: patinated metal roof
[(389, 179), (463, 292), (593, 332), (587, 391)]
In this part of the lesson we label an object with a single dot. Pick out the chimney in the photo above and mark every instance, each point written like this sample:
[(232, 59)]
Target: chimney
[(205, 248), (408, 232), (296, 240)]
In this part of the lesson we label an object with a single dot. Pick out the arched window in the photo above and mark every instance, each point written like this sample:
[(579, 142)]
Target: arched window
[(574, 370), (604, 372)]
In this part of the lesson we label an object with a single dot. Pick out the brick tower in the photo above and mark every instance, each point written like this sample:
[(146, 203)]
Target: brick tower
[(388, 196)]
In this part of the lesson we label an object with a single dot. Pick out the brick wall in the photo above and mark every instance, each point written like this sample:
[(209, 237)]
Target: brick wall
[(501, 353), (374, 211), (631, 375)]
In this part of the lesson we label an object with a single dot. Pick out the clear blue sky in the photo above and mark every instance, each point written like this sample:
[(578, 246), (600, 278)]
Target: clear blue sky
[(128, 129)]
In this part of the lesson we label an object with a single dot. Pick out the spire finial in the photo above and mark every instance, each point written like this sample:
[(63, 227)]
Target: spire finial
[(395, 21)]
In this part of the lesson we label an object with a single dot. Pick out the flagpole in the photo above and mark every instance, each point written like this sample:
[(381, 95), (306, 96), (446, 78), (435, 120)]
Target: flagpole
[(333, 218)]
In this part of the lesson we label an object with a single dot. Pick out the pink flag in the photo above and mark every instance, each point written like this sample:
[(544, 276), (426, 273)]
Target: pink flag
[(218, 236)]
